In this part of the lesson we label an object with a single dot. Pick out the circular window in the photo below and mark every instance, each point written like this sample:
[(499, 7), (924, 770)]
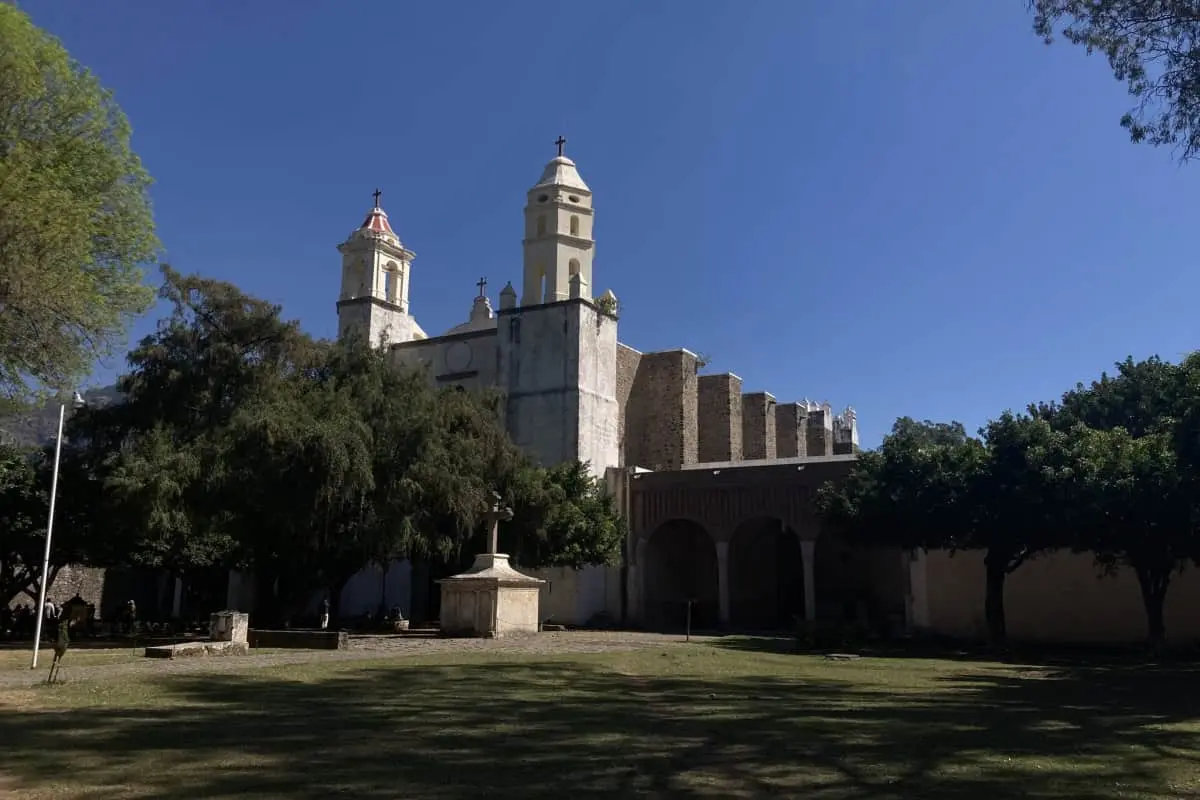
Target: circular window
[(574, 199), (543, 198)]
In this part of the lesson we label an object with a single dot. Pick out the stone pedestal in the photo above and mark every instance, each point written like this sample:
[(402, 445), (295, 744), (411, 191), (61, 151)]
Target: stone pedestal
[(228, 633), (229, 626), (490, 600)]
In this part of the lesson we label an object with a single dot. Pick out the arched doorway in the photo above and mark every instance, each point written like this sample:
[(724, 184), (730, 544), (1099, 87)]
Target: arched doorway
[(681, 565), (766, 576)]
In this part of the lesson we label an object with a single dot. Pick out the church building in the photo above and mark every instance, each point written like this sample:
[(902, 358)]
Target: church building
[(573, 391)]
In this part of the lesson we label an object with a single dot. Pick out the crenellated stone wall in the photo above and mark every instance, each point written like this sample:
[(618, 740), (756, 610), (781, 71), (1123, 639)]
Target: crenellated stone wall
[(758, 426), (719, 417), (660, 415), (820, 430), (628, 361), (791, 430)]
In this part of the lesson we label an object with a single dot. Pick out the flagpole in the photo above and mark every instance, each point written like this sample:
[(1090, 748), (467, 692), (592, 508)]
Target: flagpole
[(41, 605)]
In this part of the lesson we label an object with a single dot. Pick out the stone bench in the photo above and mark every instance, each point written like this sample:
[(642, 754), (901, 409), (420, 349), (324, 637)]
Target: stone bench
[(300, 639), (193, 649)]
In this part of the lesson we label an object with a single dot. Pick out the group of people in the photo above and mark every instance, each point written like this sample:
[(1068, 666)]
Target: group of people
[(20, 622)]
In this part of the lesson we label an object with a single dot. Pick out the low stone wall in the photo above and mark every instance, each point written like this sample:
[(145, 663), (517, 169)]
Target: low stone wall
[(300, 639), (193, 649)]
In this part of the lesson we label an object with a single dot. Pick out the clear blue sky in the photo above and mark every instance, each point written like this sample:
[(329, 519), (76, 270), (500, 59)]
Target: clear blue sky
[(914, 208)]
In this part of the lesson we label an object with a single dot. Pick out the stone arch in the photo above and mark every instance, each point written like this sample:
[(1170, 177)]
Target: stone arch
[(541, 225), (680, 565), (573, 267), (391, 282), (574, 225), (766, 575)]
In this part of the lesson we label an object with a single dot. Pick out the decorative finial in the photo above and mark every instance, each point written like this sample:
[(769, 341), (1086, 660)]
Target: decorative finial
[(560, 141), (482, 286), (377, 194)]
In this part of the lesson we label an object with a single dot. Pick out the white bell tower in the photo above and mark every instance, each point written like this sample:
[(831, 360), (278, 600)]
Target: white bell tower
[(558, 235), (376, 268)]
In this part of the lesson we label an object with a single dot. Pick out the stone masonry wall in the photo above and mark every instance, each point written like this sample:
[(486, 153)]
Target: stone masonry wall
[(660, 418), (758, 426), (719, 418), (628, 360), (791, 430), (87, 582), (820, 433)]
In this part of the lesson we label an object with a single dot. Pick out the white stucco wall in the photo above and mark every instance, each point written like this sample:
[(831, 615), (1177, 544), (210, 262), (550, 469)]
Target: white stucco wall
[(558, 367), (575, 597), (465, 359)]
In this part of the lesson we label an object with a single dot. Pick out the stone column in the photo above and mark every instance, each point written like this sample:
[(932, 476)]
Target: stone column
[(723, 581), (637, 581), (807, 549)]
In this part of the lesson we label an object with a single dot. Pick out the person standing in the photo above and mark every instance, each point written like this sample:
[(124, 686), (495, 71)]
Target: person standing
[(325, 613)]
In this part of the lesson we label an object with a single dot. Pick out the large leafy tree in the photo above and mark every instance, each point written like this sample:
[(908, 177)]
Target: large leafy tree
[(1013, 504), (1132, 487), (931, 486), (161, 454), (564, 517), (1131, 507), (1151, 46), (75, 220), (25, 481)]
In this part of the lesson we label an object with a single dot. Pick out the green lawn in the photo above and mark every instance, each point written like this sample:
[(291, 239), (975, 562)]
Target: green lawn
[(18, 656), (681, 720)]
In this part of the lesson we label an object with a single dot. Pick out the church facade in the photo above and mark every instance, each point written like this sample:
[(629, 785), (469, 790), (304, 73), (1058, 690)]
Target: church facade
[(573, 390)]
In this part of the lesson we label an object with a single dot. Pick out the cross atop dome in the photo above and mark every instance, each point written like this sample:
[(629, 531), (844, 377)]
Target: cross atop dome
[(377, 219), (561, 171)]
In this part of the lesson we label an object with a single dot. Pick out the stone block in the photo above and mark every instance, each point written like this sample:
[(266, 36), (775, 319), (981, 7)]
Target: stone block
[(791, 430), (719, 418), (819, 433), (194, 649), (660, 417), (758, 426), (491, 600), (229, 626), (299, 639)]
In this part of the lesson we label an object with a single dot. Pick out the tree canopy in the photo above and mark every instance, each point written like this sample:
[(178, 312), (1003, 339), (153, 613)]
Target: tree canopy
[(1150, 46), (242, 442), (76, 227), (1109, 469)]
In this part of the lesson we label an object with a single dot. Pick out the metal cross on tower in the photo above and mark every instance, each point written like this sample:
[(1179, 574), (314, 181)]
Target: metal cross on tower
[(377, 194), (560, 141), (482, 285)]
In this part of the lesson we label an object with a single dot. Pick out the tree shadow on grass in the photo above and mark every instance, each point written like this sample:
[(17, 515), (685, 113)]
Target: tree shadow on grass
[(563, 729)]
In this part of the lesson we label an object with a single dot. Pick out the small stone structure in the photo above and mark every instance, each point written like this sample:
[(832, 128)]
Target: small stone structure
[(490, 600), (228, 636)]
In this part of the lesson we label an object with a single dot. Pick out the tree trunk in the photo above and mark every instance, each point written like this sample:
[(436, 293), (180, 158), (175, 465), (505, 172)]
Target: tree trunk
[(1154, 585), (997, 568)]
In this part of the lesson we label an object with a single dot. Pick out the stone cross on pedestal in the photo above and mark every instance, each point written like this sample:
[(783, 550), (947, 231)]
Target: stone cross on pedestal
[(491, 598), (498, 512)]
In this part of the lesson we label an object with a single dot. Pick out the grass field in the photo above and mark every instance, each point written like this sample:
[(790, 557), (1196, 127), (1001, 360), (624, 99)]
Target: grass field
[(679, 720), (17, 657)]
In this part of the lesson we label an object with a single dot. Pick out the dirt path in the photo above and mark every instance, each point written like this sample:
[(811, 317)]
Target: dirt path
[(361, 648)]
